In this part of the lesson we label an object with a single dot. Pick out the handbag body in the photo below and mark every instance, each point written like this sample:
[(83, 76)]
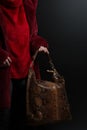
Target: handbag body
[(46, 101)]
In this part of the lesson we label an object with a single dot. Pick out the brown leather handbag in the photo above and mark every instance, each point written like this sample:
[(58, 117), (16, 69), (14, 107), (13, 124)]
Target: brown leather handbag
[(46, 101)]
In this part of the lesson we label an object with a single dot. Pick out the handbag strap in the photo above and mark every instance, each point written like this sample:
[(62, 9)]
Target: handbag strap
[(34, 57), (54, 71)]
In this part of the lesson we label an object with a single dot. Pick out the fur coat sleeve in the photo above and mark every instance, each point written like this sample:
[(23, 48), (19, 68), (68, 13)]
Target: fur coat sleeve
[(36, 40), (3, 52)]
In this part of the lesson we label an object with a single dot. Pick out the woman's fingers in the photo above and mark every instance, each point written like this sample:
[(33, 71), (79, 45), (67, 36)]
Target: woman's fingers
[(7, 61), (42, 48)]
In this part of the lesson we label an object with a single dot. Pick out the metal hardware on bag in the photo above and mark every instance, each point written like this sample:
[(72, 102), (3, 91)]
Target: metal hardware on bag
[(50, 71)]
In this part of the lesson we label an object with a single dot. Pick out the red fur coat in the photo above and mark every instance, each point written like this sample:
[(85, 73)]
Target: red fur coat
[(35, 42)]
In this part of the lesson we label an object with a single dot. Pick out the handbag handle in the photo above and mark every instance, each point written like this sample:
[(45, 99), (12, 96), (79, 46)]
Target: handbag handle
[(54, 71)]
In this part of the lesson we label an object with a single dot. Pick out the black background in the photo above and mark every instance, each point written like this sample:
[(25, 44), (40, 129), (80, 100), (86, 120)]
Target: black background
[(64, 24)]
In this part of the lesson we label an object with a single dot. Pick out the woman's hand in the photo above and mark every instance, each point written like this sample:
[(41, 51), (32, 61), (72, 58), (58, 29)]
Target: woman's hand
[(44, 49), (7, 61)]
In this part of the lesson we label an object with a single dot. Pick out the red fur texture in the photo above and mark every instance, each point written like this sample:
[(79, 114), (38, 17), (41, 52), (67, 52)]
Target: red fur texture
[(36, 41)]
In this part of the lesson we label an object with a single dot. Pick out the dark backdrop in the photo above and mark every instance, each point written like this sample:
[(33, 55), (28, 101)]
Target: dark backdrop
[(64, 24)]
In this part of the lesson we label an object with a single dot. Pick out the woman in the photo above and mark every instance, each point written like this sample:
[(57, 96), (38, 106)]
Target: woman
[(18, 42)]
